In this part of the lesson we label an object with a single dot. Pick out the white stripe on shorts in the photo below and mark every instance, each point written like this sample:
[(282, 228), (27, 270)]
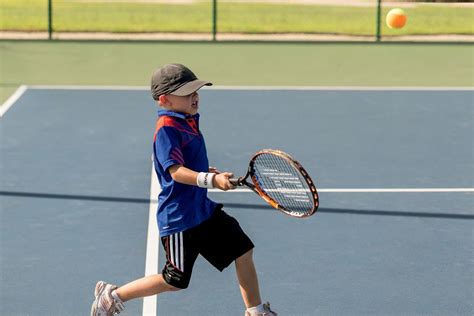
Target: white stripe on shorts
[(170, 248), (181, 251), (177, 250)]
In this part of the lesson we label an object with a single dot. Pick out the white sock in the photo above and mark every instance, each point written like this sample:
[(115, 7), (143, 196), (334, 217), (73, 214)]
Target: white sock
[(256, 309)]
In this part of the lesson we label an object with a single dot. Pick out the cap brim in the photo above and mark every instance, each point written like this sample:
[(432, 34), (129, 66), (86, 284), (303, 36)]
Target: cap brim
[(190, 87)]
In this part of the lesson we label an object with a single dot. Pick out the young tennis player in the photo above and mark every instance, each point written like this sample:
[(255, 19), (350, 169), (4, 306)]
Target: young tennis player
[(190, 224)]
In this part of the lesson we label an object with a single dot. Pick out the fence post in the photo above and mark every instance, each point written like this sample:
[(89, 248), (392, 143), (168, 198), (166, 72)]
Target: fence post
[(50, 19), (379, 14), (214, 20)]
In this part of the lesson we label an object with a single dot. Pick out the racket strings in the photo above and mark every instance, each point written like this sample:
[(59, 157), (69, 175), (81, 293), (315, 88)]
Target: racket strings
[(283, 183)]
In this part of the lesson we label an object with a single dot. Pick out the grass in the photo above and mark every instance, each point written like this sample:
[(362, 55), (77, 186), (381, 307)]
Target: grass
[(70, 16), (126, 63)]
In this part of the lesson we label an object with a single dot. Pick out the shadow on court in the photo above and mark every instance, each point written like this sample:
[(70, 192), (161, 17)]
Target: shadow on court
[(238, 205)]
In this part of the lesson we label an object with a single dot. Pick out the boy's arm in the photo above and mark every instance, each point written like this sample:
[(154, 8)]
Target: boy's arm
[(184, 175)]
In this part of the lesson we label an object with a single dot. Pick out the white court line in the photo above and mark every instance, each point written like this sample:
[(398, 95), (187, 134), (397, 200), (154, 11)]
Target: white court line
[(88, 87), (151, 261), (12, 99), (296, 88), (370, 190), (340, 88)]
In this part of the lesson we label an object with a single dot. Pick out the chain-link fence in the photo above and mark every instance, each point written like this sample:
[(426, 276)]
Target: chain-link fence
[(233, 19)]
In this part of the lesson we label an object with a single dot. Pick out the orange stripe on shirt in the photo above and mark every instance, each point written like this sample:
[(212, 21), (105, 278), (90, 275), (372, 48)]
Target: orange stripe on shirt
[(164, 121)]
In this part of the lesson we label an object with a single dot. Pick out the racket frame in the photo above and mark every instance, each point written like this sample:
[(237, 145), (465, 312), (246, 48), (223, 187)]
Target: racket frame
[(254, 186)]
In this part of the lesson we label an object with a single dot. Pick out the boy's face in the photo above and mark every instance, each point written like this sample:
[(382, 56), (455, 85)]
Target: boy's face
[(188, 104)]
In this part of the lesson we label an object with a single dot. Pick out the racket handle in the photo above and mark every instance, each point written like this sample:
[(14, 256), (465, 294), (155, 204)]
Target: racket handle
[(236, 181)]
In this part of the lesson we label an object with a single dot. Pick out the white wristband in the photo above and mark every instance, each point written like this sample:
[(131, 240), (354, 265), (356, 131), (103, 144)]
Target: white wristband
[(204, 180)]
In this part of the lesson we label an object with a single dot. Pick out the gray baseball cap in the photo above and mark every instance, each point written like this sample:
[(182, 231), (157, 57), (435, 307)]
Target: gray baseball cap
[(175, 79)]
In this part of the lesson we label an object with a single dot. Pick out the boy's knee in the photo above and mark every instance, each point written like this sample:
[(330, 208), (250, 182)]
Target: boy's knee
[(176, 286), (176, 282), (175, 279), (172, 288)]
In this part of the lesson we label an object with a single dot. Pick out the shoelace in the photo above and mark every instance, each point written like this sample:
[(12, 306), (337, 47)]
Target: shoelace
[(118, 307)]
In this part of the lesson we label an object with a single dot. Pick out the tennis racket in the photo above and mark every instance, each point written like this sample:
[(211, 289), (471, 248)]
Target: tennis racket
[(282, 182)]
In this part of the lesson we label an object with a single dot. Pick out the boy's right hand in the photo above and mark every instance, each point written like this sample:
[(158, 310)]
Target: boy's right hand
[(221, 181)]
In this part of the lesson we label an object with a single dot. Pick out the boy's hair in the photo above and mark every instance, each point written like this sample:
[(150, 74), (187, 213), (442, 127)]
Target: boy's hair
[(175, 79)]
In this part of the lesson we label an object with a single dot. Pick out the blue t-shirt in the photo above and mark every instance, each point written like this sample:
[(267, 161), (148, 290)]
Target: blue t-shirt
[(179, 141)]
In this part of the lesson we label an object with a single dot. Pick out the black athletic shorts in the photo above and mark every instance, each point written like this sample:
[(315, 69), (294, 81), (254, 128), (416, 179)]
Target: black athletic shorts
[(220, 240)]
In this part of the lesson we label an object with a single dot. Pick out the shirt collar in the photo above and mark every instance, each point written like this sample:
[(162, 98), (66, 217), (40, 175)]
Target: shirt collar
[(177, 114)]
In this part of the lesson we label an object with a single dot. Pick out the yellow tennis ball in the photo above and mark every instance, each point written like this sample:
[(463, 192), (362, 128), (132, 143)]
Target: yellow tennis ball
[(396, 19)]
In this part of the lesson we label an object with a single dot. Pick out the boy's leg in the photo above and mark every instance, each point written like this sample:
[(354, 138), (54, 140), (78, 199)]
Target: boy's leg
[(248, 281), (180, 258), (222, 242), (109, 299), (146, 286)]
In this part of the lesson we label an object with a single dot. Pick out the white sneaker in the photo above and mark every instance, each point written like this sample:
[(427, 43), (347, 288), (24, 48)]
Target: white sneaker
[(105, 304), (267, 312)]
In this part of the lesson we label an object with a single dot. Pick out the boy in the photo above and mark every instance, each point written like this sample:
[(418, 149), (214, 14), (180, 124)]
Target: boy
[(189, 222)]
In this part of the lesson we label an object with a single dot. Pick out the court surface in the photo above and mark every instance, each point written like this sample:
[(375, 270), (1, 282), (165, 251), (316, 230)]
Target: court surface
[(393, 236)]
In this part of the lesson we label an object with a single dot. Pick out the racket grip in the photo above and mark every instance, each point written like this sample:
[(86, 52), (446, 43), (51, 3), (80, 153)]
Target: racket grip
[(236, 181)]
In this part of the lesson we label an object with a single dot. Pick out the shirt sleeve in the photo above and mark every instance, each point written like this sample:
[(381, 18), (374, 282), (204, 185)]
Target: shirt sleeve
[(168, 147)]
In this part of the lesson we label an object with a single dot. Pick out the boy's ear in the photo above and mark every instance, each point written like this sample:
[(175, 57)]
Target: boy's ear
[(163, 99)]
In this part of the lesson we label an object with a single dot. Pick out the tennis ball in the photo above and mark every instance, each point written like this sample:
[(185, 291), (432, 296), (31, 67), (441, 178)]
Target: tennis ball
[(396, 19)]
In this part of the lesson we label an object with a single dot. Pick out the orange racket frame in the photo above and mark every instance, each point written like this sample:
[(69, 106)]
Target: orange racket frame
[(254, 186)]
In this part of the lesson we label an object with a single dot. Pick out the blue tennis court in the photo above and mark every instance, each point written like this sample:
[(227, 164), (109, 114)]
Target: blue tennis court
[(393, 235)]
